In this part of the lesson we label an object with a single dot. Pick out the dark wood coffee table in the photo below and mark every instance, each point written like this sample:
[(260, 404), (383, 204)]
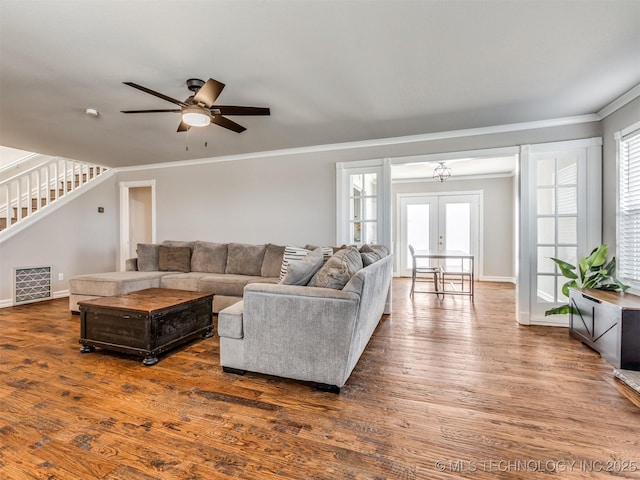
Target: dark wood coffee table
[(146, 323)]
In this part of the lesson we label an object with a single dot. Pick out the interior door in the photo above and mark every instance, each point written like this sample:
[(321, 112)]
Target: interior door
[(438, 222)]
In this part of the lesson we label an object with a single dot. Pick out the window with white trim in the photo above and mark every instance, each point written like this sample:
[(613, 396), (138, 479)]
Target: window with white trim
[(628, 242)]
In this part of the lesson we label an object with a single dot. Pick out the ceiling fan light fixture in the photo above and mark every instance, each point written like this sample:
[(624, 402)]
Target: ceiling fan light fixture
[(441, 172), (195, 117)]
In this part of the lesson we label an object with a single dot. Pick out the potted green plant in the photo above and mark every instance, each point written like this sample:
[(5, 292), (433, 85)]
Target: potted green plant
[(592, 272)]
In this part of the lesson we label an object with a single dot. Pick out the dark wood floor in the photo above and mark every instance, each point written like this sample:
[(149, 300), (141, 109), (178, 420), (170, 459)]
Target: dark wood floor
[(445, 389)]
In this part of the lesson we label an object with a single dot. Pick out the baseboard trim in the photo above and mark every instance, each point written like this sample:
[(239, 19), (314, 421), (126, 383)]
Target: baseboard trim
[(492, 278), (59, 294), (550, 321)]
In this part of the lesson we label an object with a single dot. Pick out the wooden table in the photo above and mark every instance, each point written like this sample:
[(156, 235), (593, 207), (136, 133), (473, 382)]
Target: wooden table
[(452, 254), (146, 323)]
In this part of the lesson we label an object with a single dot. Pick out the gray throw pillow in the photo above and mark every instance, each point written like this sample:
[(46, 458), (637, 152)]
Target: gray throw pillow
[(299, 272), (209, 257), (339, 269), (147, 257), (243, 259), (369, 257), (272, 260), (174, 259)]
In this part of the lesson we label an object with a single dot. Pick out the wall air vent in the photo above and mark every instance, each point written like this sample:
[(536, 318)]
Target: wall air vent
[(31, 284)]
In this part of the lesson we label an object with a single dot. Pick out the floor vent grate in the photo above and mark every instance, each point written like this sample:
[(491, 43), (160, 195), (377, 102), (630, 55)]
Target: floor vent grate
[(31, 284)]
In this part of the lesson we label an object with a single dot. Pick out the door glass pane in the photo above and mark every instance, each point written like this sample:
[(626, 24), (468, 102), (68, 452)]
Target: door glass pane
[(356, 185), (370, 182), (547, 172), (370, 211), (546, 230), (356, 232), (417, 228), (370, 232), (545, 264), (567, 200), (568, 230), (458, 227), (568, 254), (567, 171), (355, 210), (546, 288), (546, 201)]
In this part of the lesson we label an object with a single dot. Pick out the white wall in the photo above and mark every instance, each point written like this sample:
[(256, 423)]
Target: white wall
[(74, 239), (289, 199), (498, 214)]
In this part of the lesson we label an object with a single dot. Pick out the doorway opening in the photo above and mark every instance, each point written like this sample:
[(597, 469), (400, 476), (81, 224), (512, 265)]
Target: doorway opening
[(137, 217)]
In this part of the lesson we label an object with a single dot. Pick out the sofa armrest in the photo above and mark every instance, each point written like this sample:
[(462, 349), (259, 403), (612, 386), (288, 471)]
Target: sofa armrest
[(131, 265), (299, 332)]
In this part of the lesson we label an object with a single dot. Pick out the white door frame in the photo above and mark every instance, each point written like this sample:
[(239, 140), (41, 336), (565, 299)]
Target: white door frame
[(124, 216)]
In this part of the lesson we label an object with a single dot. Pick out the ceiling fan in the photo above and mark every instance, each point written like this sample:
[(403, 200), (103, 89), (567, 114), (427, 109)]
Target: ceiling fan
[(199, 110)]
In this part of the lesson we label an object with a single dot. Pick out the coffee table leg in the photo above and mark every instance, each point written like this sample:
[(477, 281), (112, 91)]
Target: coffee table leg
[(150, 360), (87, 349), (208, 333)]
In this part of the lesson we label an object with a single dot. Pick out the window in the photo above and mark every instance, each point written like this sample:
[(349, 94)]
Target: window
[(363, 213), (628, 255)]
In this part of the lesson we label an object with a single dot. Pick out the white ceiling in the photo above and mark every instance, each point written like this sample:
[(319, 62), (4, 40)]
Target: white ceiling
[(331, 71)]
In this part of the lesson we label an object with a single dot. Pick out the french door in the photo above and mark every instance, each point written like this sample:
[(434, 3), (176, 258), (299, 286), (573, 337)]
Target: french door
[(561, 218), (438, 222)]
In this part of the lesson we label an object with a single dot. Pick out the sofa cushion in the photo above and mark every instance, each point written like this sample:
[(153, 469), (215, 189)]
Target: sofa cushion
[(229, 284), (147, 257), (178, 243), (174, 259), (339, 269), (245, 259), (291, 254), (113, 283), (272, 262), (209, 257), (299, 272), (182, 281)]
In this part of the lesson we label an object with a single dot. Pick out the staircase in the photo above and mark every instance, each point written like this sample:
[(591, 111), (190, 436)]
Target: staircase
[(32, 190)]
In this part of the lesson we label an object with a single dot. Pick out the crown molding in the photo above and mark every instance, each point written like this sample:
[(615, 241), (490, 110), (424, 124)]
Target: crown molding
[(620, 102), (382, 142)]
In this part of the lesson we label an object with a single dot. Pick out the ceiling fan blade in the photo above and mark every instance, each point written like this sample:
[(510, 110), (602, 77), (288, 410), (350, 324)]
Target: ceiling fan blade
[(234, 110), (174, 110), (156, 94), (183, 127), (226, 123), (208, 92)]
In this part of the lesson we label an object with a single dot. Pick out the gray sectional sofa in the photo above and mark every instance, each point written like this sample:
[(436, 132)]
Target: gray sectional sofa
[(219, 268), (314, 334)]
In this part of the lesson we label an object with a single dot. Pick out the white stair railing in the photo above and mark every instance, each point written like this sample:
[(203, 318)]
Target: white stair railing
[(32, 190)]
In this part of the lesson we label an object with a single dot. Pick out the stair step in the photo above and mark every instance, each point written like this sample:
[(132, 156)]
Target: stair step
[(34, 203)]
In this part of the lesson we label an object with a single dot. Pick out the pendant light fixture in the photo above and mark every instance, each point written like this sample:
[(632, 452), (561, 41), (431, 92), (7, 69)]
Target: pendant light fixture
[(441, 172)]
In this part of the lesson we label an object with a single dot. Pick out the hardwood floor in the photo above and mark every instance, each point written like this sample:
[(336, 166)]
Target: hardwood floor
[(445, 389)]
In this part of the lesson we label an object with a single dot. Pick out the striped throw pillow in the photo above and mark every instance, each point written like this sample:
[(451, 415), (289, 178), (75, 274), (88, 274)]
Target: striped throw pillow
[(291, 254)]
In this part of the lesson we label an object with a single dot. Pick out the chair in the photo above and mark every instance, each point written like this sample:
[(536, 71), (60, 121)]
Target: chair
[(454, 274), (415, 270)]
